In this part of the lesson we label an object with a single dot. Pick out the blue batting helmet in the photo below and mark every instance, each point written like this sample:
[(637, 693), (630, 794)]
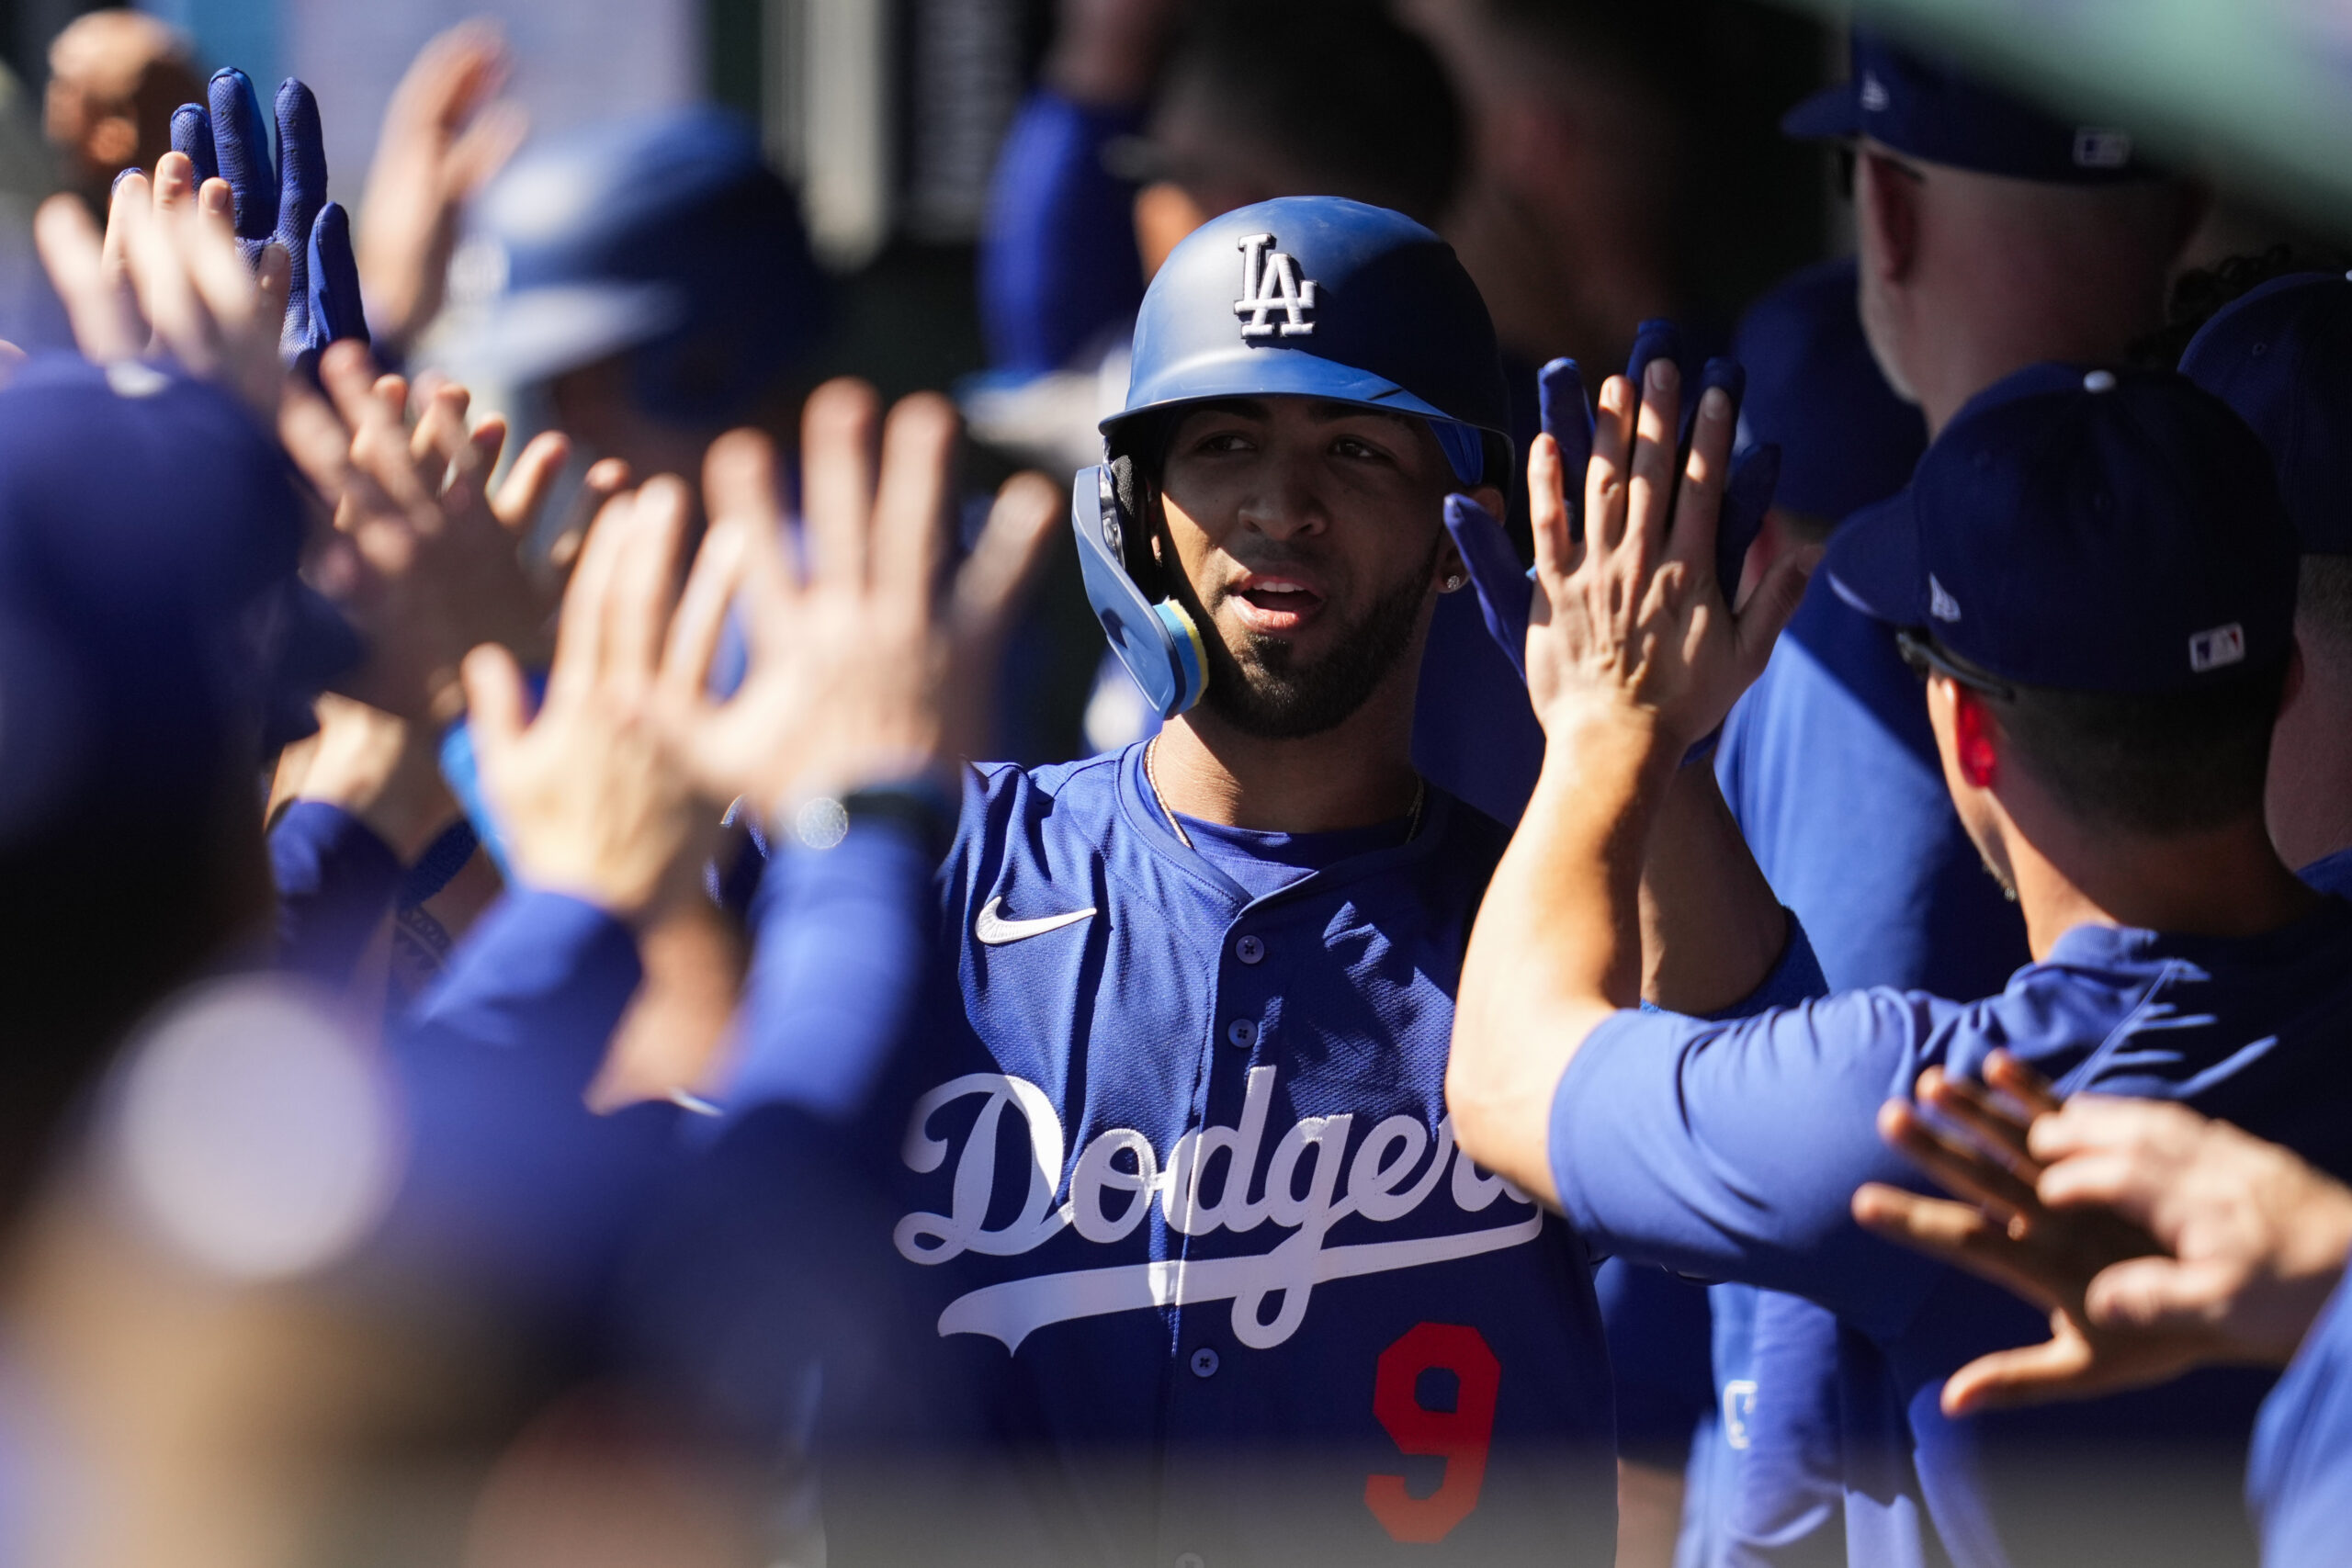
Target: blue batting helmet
[(1306, 297)]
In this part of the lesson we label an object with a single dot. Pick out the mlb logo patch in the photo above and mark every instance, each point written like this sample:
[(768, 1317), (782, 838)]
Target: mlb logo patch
[(2220, 647), (2097, 148)]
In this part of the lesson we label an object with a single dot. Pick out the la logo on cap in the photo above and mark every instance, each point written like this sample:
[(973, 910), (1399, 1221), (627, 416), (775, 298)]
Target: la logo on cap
[(2222, 646), (1269, 282)]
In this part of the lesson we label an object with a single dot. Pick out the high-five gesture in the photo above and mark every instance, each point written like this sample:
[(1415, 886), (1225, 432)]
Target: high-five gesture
[(2158, 1240), (427, 557), (1627, 877), (864, 669), (167, 279), (1629, 617), (590, 802)]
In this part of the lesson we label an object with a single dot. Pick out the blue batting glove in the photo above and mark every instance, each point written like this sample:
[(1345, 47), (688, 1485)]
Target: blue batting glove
[(1656, 339), (333, 309), (277, 201), (1567, 419), (1505, 595), (192, 134)]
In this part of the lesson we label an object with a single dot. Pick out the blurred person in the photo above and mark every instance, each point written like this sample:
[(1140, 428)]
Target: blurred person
[(1202, 109), (642, 284), (1577, 136), (115, 76), (2106, 743), (2157, 1241), (2281, 356)]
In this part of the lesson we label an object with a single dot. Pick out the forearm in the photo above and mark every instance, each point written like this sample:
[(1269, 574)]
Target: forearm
[(1712, 927), (1557, 946), (843, 936)]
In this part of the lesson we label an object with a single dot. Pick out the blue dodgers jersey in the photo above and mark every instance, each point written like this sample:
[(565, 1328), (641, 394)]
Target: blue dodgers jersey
[(1177, 1184), (2299, 1477), (1733, 1149)]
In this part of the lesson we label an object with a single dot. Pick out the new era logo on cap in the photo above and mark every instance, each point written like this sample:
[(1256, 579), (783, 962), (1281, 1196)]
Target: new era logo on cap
[(2213, 650), (1874, 97), (1941, 603), (2099, 147)]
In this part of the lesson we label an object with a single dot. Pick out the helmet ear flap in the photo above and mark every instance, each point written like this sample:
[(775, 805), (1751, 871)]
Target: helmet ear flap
[(1132, 496)]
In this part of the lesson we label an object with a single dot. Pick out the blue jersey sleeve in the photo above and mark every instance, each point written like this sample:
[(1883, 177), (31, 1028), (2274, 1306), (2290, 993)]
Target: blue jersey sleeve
[(1731, 1149), (511, 1183), (335, 882), (843, 935), (2299, 1477), (1058, 261)]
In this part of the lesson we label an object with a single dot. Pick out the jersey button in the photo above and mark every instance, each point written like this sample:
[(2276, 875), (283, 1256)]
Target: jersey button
[(1241, 1031), (1205, 1362), (1250, 949)]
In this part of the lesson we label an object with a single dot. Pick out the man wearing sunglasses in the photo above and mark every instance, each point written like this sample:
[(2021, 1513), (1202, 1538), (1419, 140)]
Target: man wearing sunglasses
[(2095, 577)]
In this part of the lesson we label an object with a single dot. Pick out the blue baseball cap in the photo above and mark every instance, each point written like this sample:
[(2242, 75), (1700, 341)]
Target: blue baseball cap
[(1316, 296), (1925, 106), (150, 614), (2281, 356), (2086, 530), (1814, 389), (666, 235)]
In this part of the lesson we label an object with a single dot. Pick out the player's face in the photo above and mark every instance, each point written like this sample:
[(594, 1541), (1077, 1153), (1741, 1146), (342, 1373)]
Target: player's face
[(1311, 535)]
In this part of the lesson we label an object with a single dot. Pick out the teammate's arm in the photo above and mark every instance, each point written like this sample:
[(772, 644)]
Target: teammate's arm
[(1633, 655)]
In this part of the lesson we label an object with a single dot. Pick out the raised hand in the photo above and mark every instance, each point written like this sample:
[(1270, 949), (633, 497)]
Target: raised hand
[(427, 559), (445, 133), (2256, 1238), (279, 202), (1629, 617), (166, 278), (587, 794), (862, 670)]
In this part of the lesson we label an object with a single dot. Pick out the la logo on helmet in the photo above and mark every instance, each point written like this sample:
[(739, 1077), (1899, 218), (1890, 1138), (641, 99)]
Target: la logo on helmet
[(1269, 282)]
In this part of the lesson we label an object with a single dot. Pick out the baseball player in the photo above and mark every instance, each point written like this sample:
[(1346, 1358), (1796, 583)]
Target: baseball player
[(1990, 235), (1193, 1270), (2096, 575)]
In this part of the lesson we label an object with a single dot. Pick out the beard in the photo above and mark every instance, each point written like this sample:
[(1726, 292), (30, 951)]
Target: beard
[(1264, 689)]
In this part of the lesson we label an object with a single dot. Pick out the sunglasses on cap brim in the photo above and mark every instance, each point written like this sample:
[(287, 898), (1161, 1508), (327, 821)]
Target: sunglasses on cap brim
[(1920, 653)]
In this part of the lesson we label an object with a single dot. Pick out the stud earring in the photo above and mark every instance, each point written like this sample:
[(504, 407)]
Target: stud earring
[(1453, 583)]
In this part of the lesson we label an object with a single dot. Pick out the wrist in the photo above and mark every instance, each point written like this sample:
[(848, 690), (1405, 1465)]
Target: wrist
[(382, 770), (1593, 729)]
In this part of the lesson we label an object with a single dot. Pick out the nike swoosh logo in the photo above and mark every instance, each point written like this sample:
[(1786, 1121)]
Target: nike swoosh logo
[(996, 932)]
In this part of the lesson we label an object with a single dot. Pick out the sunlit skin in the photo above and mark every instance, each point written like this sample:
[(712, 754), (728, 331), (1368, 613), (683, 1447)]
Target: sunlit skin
[(1293, 520)]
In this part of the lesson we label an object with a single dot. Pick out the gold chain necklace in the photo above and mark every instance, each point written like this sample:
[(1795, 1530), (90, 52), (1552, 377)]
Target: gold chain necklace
[(1151, 778)]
